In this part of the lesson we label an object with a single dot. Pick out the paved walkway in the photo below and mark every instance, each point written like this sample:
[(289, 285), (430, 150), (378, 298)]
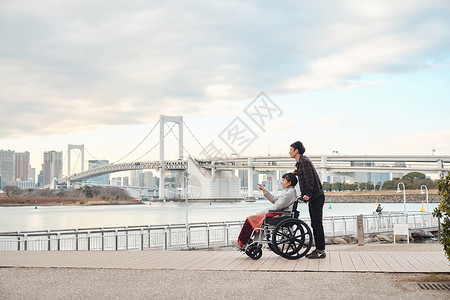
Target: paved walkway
[(418, 258), (349, 272)]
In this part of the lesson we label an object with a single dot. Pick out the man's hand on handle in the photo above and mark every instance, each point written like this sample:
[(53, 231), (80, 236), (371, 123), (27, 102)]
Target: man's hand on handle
[(303, 198)]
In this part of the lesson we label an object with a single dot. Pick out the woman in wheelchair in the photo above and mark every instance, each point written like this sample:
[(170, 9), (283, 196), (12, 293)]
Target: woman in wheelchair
[(284, 201), (278, 226)]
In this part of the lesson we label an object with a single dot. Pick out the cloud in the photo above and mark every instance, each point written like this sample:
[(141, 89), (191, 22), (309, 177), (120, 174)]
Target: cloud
[(330, 121), (84, 64)]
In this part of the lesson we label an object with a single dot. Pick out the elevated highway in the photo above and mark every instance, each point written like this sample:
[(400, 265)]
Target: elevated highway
[(325, 164), (209, 176), (338, 163)]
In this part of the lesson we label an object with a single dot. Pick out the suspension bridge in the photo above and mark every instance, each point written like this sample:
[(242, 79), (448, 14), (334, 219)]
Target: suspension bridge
[(217, 177)]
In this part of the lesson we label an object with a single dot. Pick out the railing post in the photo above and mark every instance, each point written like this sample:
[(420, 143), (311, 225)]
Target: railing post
[(126, 237), (58, 238), (207, 235), (165, 238), (103, 239), (377, 223), (89, 241), (332, 226), (188, 240), (116, 233), (142, 239), (169, 236), (25, 242), (345, 225), (227, 233), (49, 240), (76, 239)]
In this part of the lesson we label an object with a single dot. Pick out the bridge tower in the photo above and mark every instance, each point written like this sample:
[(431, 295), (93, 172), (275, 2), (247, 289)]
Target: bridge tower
[(162, 121), (75, 147)]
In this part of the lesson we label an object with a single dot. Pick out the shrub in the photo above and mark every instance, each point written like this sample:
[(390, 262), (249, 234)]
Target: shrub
[(443, 211)]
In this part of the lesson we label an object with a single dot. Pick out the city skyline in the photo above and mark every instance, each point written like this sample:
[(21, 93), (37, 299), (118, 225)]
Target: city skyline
[(353, 77)]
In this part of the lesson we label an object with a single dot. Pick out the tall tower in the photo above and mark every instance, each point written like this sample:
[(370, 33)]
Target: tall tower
[(52, 166), (23, 166), (162, 121), (69, 150), (7, 167)]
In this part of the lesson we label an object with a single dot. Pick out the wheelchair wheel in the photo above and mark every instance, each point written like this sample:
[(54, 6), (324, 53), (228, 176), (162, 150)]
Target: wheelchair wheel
[(292, 239), (254, 252)]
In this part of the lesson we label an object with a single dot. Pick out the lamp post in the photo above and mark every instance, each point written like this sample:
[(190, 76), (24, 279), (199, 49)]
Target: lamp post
[(421, 192), (186, 195), (404, 194)]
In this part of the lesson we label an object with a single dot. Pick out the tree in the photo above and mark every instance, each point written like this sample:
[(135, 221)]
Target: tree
[(87, 191), (12, 191), (327, 186), (414, 175), (337, 186), (363, 186), (443, 211)]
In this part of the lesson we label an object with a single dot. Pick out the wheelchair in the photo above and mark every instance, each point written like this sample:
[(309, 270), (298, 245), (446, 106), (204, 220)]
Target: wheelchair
[(284, 234)]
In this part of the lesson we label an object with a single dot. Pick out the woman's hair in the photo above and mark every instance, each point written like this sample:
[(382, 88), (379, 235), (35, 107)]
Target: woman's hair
[(291, 178), (299, 146)]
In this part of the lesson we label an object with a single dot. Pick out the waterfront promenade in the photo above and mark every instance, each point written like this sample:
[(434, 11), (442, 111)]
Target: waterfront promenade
[(421, 258), (375, 270)]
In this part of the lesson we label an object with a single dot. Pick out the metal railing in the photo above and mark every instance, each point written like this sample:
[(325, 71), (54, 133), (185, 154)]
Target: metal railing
[(346, 225), (194, 235)]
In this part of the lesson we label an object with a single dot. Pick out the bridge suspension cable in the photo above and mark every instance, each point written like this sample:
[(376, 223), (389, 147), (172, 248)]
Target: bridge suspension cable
[(138, 144), (203, 148), (179, 141), (170, 130), (90, 154), (76, 163)]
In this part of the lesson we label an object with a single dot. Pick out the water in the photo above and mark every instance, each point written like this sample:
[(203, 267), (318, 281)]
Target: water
[(26, 218)]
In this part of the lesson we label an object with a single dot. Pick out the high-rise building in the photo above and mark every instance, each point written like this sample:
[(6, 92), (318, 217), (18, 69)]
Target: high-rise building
[(7, 167), (149, 179), (126, 181), (32, 174), (22, 166), (40, 181), (52, 166), (99, 180), (137, 178)]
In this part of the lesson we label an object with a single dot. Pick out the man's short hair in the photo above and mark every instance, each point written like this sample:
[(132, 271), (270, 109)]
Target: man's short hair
[(299, 146), (290, 177)]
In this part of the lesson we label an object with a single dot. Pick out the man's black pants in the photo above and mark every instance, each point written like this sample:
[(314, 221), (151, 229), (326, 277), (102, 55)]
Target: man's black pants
[(316, 213)]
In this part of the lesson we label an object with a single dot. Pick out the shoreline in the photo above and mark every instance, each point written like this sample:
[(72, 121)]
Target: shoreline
[(388, 196), (51, 201)]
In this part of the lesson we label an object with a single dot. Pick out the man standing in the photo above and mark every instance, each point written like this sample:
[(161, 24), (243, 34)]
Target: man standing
[(312, 192)]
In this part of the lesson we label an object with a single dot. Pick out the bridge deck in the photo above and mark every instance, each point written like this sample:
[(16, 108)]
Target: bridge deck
[(370, 258)]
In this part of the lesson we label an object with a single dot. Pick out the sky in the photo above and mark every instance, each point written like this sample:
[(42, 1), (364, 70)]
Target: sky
[(248, 77)]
